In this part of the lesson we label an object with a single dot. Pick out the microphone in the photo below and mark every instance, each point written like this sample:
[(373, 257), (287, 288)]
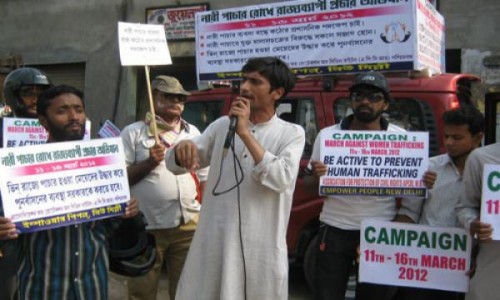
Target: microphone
[(233, 120)]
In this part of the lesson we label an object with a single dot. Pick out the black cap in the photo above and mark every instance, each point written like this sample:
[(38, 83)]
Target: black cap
[(373, 79)]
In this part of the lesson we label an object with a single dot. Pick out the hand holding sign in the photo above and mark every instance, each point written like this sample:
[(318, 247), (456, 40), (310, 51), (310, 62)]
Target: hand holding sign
[(7, 229)]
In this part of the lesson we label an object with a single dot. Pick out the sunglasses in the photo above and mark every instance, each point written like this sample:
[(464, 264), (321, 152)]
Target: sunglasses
[(31, 92), (372, 97), (170, 97)]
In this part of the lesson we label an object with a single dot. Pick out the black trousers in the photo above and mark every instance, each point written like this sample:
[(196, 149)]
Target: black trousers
[(408, 293), (8, 271), (336, 259)]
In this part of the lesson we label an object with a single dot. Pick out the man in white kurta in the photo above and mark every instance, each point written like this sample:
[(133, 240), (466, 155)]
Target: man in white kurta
[(239, 249)]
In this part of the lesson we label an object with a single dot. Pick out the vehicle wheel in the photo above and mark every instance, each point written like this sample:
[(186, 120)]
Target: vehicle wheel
[(310, 262)]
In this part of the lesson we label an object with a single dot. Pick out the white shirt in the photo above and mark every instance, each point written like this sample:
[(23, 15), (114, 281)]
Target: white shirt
[(439, 207), (470, 200), (163, 197)]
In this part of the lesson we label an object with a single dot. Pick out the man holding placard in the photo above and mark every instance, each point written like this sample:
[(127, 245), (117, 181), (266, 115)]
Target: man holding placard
[(170, 202), (478, 211), (22, 87), (463, 132), (339, 235), (68, 262), (21, 90)]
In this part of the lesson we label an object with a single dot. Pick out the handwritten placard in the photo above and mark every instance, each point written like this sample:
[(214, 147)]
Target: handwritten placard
[(412, 255), (375, 163), (143, 45), (57, 184)]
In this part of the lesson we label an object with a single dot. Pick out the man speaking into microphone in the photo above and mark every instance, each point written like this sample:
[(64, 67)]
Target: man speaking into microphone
[(239, 249)]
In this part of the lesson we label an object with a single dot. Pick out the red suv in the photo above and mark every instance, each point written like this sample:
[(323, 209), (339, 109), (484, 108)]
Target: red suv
[(314, 103)]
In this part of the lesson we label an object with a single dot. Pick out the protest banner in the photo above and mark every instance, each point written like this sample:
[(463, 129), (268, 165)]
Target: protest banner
[(319, 37), (19, 132), (375, 163), (403, 254), (58, 184), (490, 199)]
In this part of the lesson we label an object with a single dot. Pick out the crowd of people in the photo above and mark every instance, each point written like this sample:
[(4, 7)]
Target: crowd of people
[(233, 246)]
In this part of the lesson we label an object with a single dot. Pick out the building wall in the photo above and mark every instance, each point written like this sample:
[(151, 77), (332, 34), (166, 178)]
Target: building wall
[(474, 27), (73, 31), (54, 32)]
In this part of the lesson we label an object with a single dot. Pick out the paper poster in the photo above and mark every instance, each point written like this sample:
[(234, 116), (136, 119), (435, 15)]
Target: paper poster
[(57, 184), (412, 255)]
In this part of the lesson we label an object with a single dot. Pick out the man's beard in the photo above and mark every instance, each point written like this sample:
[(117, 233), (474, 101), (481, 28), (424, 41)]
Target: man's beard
[(22, 112), (61, 134), (367, 116)]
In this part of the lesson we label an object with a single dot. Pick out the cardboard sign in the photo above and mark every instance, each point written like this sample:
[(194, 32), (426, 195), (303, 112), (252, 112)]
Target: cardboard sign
[(490, 199), (412, 255), (57, 184), (143, 45), (108, 130), (374, 163)]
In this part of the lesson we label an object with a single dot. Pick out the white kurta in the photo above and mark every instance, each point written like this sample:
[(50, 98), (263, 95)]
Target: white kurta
[(217, 264)]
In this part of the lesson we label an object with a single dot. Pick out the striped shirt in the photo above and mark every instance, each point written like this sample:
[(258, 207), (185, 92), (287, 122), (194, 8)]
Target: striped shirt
[(65, 263)]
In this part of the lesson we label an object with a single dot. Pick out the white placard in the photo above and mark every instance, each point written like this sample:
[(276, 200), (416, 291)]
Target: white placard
[(57, 184), (143, 45), (375, 163), (108, 130), (18, 132), (321, 37), (412, 255), (490, 199)]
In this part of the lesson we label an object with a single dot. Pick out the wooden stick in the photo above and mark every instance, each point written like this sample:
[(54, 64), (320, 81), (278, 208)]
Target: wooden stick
[(151, 105)]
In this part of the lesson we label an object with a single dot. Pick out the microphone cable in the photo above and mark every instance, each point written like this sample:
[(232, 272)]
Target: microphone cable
[(236, 162), (237, 165)]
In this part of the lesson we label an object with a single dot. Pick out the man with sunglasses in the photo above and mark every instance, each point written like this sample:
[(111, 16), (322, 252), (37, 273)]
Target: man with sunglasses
[(169, 202), (21, 89), (341, 216)]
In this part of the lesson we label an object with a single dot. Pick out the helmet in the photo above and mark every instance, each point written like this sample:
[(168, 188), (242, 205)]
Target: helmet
[(132, 251), (18, 78)]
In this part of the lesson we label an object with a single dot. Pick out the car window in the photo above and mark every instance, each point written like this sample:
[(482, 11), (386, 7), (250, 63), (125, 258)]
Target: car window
[(303, 113), (202, 113), (410, 114)]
